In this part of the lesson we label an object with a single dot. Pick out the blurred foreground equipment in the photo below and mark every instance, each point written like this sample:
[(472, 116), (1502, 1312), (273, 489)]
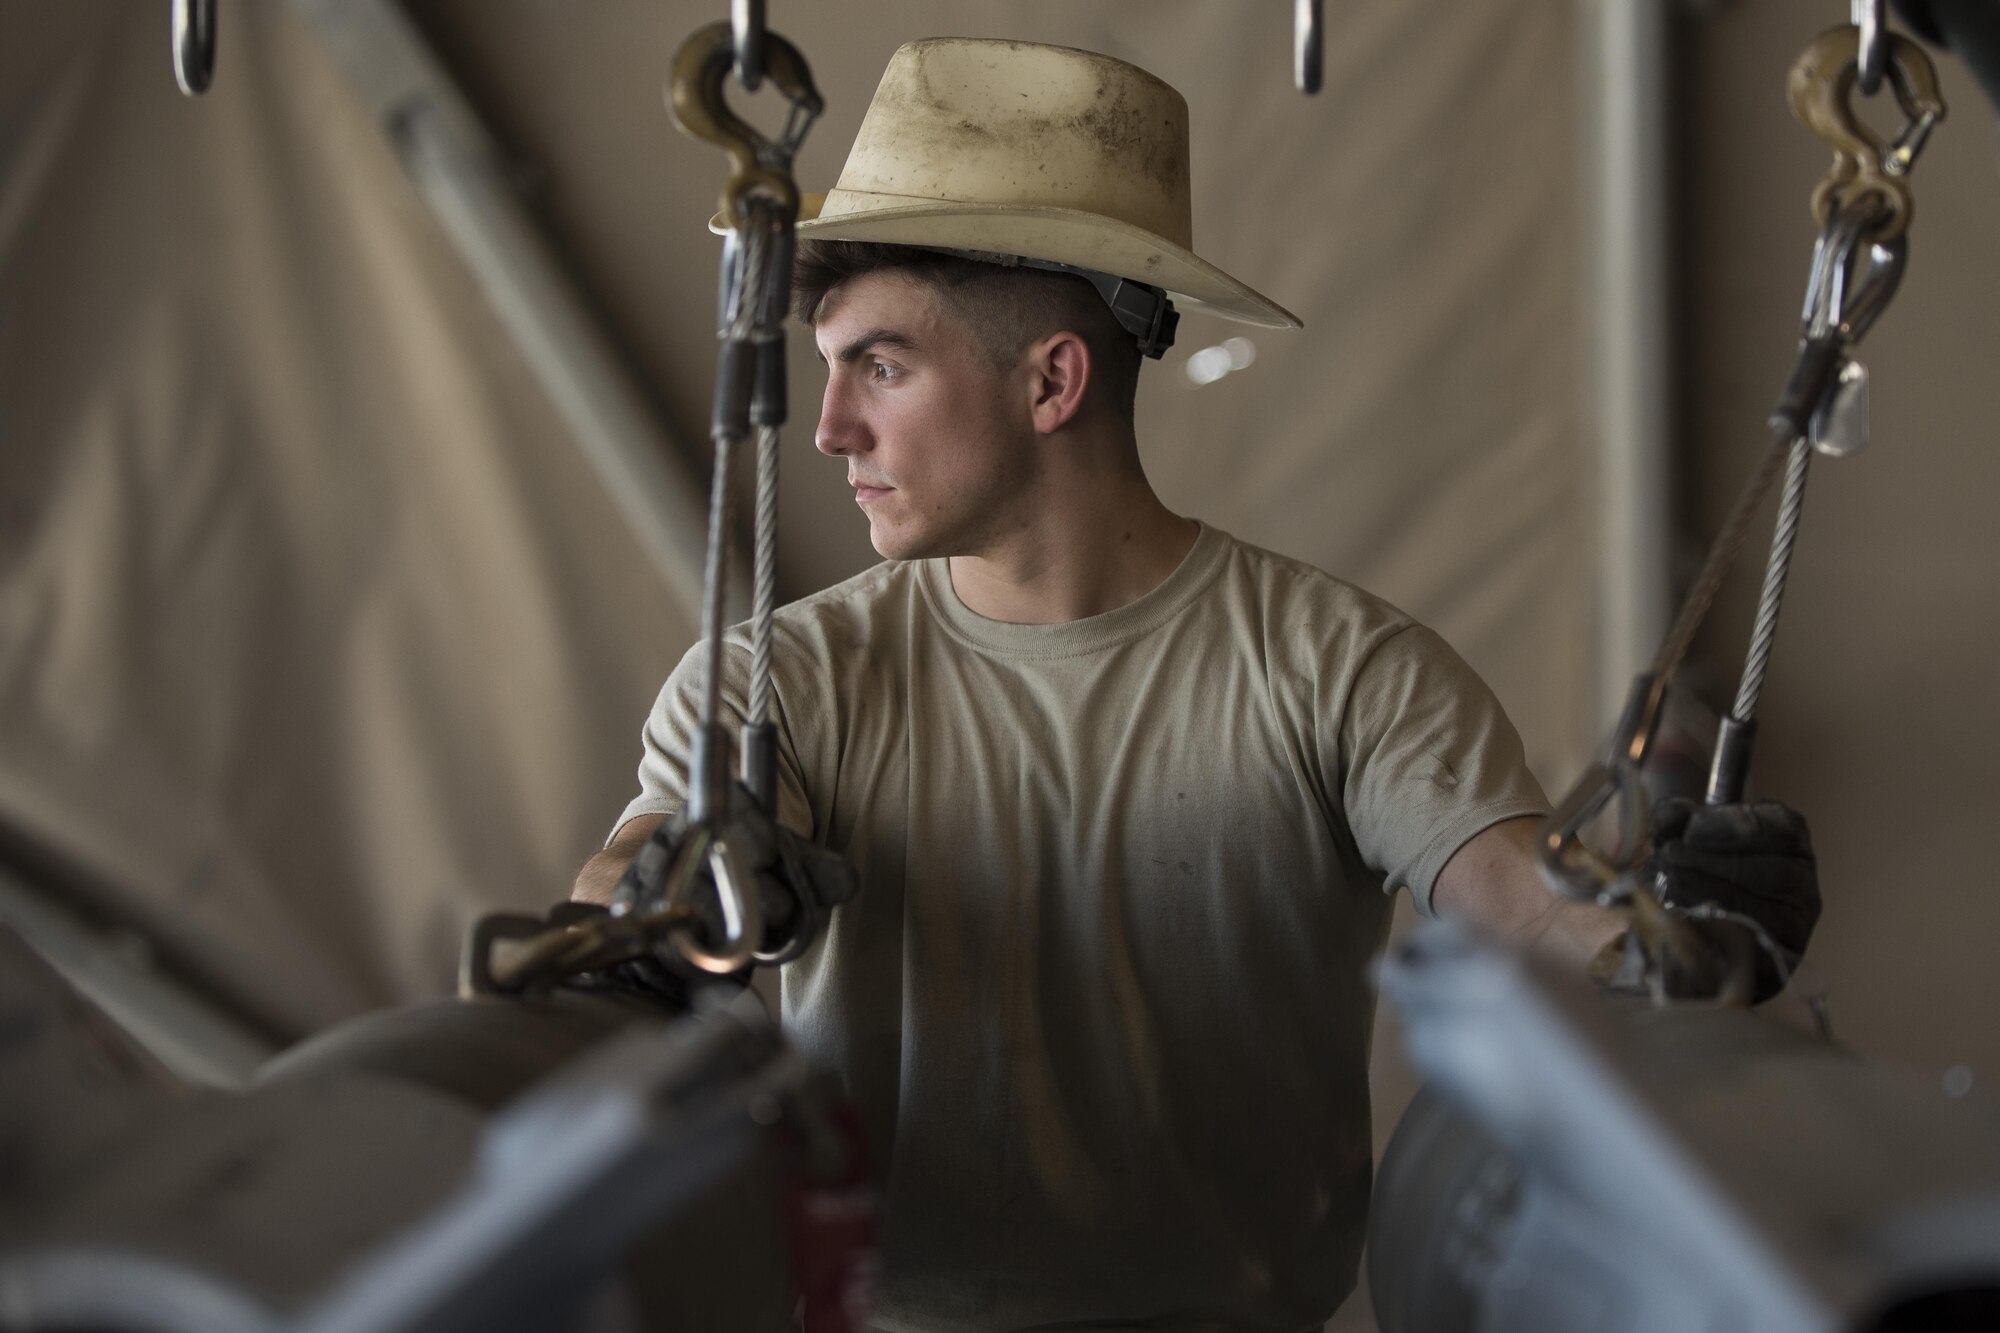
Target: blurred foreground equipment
[(603, 1130), (1584, 1161), (574, 1160)]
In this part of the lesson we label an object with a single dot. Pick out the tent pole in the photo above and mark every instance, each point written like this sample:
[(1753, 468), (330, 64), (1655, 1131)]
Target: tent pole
[(194, 1039), (1629, 340), (458, 172)]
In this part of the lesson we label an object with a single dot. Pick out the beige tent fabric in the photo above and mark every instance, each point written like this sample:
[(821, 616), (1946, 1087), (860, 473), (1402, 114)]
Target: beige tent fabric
[(315, 637)]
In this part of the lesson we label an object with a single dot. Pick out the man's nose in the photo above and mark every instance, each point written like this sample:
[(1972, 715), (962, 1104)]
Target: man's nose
[(839, 431)]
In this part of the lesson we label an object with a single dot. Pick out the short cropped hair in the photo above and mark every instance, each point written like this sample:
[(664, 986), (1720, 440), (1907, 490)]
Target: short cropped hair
[(1007, 308)]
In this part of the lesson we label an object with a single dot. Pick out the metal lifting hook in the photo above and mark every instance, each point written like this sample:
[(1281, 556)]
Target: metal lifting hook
[(758, 165), (1863, 200), (716, 836), (726, 835), (759, 202), (1865, 170)]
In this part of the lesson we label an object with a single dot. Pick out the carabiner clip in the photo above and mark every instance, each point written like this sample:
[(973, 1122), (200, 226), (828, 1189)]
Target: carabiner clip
[(736, 892), (758, 165), (1821, 87), (1837, 306), (1572, 868)]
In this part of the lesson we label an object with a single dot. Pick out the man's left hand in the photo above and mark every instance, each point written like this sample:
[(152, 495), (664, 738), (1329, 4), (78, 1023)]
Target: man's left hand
[(1750, 860)]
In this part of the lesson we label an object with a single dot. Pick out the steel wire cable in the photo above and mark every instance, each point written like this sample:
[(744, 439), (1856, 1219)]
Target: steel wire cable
[(746, 305), (1722, 555), (1791, 504), (749, 280), (759, 323), (764, 586), (715, 573)]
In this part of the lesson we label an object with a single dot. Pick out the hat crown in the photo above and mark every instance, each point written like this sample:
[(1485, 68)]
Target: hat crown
[(1018, 124)]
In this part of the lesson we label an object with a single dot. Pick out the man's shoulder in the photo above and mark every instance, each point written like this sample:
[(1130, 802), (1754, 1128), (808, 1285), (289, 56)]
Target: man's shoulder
[(1298, 594), (886, 580), (862, 609)]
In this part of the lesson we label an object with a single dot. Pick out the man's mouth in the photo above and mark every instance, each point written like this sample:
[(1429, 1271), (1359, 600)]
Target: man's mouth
[(863, 492)]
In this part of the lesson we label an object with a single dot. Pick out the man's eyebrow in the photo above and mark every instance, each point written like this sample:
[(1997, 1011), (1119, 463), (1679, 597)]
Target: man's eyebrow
[(869, 341)]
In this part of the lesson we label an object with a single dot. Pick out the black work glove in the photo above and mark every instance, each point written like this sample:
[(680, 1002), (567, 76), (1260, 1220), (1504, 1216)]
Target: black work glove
[(796, 880), (1753, 860)]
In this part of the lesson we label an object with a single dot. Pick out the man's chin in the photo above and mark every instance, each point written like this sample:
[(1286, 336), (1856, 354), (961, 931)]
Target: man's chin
[(892, 547), (902, 531), (899, 544), (895, 541)]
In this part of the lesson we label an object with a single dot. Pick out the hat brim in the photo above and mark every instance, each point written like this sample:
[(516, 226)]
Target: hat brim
[(1064, 235)]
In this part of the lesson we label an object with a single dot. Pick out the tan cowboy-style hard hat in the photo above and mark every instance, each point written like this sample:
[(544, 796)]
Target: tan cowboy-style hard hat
[(1039, 151)]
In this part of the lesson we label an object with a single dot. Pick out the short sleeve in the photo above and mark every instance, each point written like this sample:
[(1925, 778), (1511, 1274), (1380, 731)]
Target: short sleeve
[(1428, 759), (669, 733)]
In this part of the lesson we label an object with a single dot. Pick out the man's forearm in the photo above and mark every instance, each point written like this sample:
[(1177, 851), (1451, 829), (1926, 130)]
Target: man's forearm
[(1495, 882), (1568, 931), (599, 877)]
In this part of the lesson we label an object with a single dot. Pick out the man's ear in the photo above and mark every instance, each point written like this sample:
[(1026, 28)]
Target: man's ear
[(1060, 371)]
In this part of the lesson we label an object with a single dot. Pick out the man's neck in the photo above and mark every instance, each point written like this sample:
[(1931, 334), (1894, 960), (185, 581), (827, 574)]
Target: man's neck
[(1088, 552)]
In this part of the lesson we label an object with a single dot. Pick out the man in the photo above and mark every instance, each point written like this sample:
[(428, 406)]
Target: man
[(1123, 792)]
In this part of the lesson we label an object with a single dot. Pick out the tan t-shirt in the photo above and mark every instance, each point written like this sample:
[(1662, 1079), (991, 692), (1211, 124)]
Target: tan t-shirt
[(1102, 999)]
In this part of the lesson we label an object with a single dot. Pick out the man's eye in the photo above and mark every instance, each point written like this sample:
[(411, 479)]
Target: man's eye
[(882, 370)]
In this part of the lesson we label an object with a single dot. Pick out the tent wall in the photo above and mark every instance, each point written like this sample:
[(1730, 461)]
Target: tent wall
[(315, 635), (317, 639)]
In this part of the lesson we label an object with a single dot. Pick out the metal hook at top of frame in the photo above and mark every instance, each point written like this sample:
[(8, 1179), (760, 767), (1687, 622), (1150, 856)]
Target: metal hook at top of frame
[(1820, 88), (194, 45), (1308, 45), (759, 165)]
